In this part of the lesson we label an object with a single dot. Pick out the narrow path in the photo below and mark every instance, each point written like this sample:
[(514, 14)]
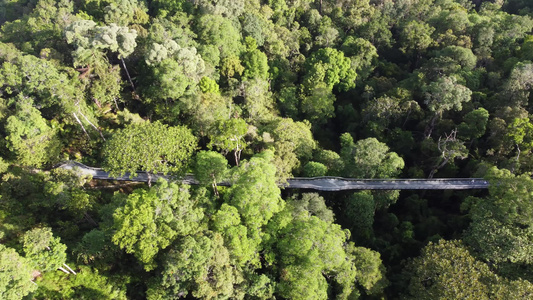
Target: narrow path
[(314, 183)]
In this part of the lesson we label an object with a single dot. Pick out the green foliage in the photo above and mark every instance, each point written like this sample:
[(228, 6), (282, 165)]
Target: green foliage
[(219, 31), (446, 94), (475, 123), (43, 250), (87, 37), (199, 264), (452, 272), (359, 210), (15, 275), (318, 106), (500, 229), (229, 136), (292, 142), (520, 133), (86, 284), (208, 85), (210, 167), (331, 67), (415, 36), (254, 191), (150, 220), (255, 64), (117, 83), (29, 137), (308, 248), (151, 147), (369, 158), (314, 169)]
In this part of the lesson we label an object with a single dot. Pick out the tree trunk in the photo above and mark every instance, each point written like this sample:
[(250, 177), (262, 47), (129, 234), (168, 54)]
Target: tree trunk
[(81, 124), (127, 74)]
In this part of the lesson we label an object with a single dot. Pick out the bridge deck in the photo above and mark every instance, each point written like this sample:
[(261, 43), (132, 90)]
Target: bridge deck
[(315, 183)]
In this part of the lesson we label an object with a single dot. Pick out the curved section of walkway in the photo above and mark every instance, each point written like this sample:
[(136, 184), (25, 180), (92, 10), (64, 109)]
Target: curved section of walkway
[(314, 183)]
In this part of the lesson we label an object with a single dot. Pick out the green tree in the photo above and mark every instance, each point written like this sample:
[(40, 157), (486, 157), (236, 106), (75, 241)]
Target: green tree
[(446, 94), (220, 32), (243, 247), (254, 191), (199, 264), (442, 95), (255, 64), (291, 141), (415, 37), (86, 284), (500, 231), (369, 158), (474, 124), (314, 169), (15, 275), (44, 251), (318, 105), (210, 168), (331, 67), (151, 147), (29, 136), (309, 248), (150, 220), (447, 270), (229, 136)]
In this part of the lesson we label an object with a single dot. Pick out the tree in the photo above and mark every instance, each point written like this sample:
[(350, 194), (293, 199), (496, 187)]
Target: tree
[(500, 231), (254, 191), (369, 158), (450, 148), (243, 247), (87, 284), (210, 168), (150, 220), (151, 147), (87, 37), (29, 136), (200, 264), (15, 275), (362, 53), (446, 94), (44, 251), (318, 105), (291, 141), (314, 169), (220, 32), (370, 269), (474, 124), (308, 248), (517, 88), (255, 62), (463, 56), (229, 136), (258, 101), (415, 36), (359, 210), (331, 67), (442, 95), (448, 270)]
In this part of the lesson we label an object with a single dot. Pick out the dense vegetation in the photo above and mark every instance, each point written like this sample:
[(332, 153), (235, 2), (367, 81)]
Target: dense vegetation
[(254, 92)]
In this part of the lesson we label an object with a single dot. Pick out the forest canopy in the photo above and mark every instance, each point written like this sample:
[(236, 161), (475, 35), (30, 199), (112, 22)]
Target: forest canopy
[(245, 94)]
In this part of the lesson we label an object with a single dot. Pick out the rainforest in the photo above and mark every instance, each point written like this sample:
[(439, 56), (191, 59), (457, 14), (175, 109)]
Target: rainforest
[(245, 95)]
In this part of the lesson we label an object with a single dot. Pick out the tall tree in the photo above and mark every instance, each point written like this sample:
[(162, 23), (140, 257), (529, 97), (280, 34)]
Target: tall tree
[(43, 250), (150, 220), (29, 136), (369, 158), (151, 147), (15, 275)]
